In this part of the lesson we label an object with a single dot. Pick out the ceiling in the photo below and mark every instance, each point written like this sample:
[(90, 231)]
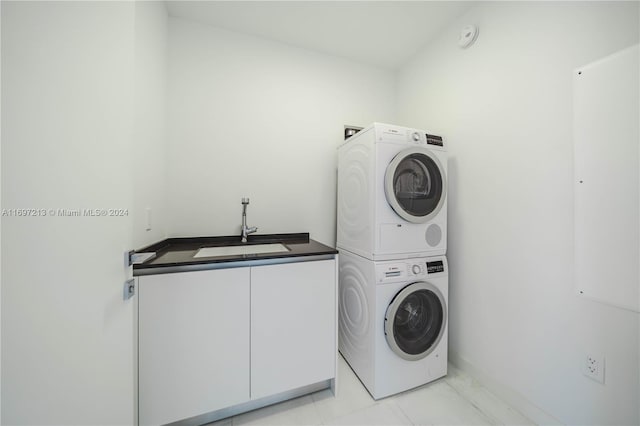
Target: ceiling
[(380, 33)]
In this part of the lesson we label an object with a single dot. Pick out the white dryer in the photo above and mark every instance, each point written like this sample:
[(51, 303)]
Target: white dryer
[(392, 193), (393, 321)]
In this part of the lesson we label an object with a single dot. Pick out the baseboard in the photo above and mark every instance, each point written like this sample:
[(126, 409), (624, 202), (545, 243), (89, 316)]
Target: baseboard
[(507, 394)]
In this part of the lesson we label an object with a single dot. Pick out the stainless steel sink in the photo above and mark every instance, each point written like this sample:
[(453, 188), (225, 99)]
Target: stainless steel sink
[(243, 249)]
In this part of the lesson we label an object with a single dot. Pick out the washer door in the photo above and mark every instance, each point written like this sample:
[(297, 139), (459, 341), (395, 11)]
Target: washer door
[(415, 185), (415, 321)]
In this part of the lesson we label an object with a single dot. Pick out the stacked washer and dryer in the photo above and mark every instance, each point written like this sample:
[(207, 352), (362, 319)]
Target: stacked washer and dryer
[(393, 276)]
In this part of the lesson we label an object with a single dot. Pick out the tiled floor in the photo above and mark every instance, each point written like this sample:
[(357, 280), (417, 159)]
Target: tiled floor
[(454, 400)]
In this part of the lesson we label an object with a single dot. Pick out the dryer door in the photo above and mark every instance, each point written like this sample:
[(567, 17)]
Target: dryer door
[(415, 185), (415, 321)]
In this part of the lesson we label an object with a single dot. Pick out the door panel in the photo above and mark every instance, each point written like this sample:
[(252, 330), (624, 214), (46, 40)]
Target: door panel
[(194, 343), (293, 321)]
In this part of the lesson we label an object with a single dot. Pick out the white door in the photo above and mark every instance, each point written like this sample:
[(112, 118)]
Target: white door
[(293, 326), (193, 343), (67, 333)]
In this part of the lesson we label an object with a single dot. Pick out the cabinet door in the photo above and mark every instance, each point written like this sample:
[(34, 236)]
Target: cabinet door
[(193, 343), (293, 320)]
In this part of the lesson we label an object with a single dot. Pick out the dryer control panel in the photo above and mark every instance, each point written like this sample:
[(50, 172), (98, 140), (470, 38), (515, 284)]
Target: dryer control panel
[(405, 135)]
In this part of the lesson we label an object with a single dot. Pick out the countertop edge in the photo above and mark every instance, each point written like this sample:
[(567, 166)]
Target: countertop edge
[(171, 269)]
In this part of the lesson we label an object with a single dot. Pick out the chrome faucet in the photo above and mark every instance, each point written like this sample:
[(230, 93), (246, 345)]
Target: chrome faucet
[(246, 230)]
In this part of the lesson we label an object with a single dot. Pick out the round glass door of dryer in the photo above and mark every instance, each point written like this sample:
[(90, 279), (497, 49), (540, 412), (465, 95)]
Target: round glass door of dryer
[(415, 321), (415, 185)]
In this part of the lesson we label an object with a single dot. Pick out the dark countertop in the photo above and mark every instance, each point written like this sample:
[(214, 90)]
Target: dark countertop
[(176, 254)]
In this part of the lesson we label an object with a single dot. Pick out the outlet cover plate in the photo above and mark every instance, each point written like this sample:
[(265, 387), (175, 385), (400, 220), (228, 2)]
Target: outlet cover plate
[(593, 367)]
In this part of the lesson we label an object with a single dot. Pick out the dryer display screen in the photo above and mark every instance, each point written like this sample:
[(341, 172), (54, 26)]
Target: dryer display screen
[(435, 267), (434, 140)]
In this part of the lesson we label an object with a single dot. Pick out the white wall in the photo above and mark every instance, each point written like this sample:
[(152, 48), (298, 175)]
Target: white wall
[(68, 110), (505, 107), (150, 132), (250, 117)]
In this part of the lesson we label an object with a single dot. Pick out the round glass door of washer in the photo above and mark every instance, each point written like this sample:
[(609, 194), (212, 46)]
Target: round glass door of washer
[(415, 321)]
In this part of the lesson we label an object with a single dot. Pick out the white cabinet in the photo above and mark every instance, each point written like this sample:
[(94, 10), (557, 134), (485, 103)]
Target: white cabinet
[(292, 326), (225, 339), (193, 343)]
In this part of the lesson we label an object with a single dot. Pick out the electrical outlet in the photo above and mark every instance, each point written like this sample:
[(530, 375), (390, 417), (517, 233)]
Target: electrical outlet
[(148, 217), (593, 367)]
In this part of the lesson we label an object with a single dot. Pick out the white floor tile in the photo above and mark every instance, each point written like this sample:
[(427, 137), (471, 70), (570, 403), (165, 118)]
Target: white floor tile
[(439, 404), (490, 405), (378, 414), (456, 399), (299, 411)]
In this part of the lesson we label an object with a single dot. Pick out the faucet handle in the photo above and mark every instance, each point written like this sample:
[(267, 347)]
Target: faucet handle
[(245, 200)]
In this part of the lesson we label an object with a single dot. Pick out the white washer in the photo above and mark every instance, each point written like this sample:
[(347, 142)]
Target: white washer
[(393, 321), (392, 193)]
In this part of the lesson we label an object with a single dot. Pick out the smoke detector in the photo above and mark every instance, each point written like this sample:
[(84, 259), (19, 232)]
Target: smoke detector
[(468, 35)]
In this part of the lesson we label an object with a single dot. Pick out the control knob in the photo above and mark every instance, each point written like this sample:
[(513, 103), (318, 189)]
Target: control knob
[(416, 269)]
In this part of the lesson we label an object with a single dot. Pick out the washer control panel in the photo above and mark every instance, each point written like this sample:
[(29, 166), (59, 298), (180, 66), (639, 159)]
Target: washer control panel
[(418, 269), (409, 269), (391, 272), (435, 267)]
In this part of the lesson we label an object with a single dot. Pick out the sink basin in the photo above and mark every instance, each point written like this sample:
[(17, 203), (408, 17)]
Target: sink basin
[(244, 249)]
